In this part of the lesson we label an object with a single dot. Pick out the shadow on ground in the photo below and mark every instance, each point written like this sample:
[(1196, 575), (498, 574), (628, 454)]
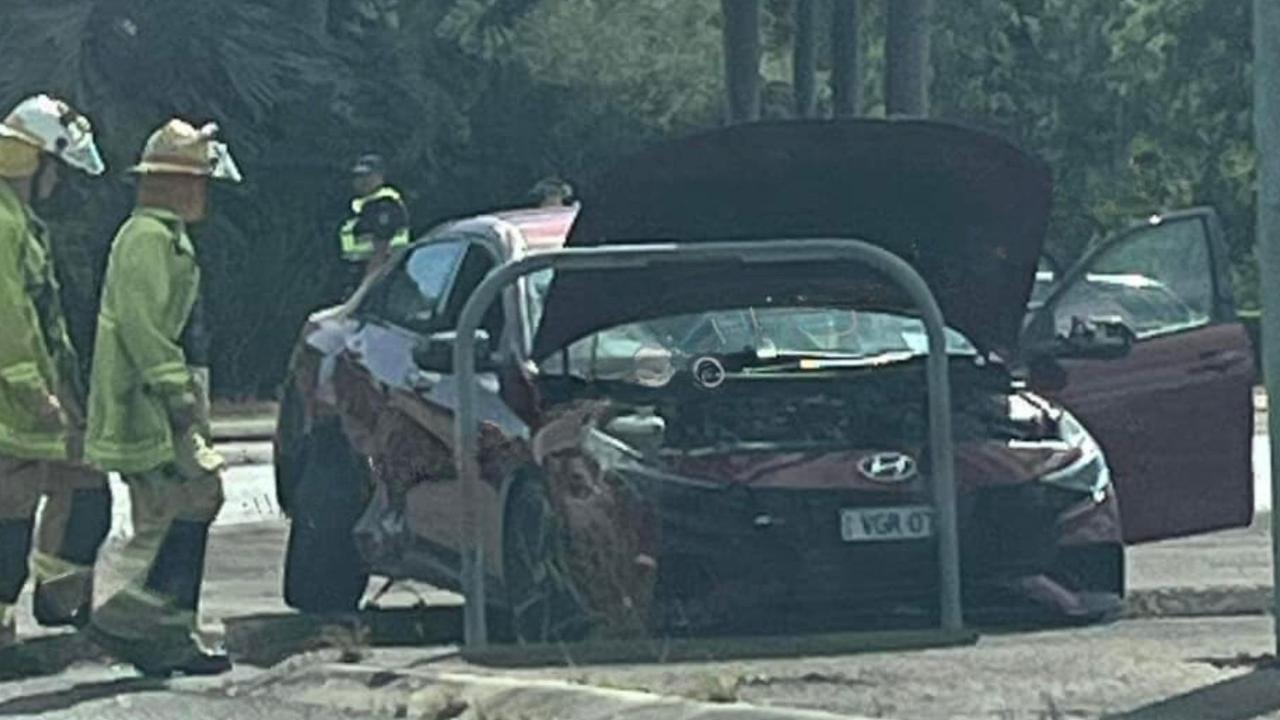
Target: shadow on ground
[(267, 639), (67, 698), (47, 656), (1246, 696), (264, 640)]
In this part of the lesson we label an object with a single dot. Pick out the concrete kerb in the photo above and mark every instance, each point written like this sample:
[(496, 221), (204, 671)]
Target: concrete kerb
[(243, 429), (245, 440), (1175, 602), (434, 695)]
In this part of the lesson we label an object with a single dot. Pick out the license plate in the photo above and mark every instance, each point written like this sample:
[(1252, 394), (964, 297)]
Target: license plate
[(886, 523)]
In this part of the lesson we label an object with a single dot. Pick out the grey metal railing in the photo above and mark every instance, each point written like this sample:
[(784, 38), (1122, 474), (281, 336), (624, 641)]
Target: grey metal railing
[(619, 257)]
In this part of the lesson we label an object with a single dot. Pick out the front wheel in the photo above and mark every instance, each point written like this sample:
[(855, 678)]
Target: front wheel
[(544, 606), (323, 570)]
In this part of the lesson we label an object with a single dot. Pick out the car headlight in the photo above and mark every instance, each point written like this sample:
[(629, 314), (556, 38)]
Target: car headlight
[(1087, 474)]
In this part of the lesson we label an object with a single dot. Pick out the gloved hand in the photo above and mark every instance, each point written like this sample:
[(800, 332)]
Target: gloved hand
[(51, 412), (53, 407), (195, 456)]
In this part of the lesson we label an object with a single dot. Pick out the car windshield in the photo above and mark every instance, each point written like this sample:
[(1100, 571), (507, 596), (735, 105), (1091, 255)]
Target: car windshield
[(770, 334)]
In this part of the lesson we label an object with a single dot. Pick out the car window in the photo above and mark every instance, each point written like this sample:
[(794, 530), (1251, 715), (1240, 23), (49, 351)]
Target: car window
[(1156, 281), (803, 330), (415, 289), (476, 265), (629, 351)]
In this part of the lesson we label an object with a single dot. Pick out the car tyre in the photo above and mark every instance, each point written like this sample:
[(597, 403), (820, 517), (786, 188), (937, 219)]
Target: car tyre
[(543, 604), (289, 446), (323, 570)]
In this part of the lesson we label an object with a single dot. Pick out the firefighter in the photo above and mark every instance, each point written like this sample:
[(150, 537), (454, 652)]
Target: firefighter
[(379, 221), (41, 404), (147, 417)]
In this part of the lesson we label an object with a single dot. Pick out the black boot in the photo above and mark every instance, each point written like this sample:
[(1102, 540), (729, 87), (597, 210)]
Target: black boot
[(51, 609), (177, 574), (175, 578), (194, 660), (67, 602), (15, 551)]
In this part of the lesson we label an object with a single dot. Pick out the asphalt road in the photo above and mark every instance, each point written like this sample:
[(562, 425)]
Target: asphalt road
[(1202, 669), (1087, 672)]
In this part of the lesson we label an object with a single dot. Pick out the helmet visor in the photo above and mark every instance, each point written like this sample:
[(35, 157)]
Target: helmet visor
[(83, 155), (78, 149)]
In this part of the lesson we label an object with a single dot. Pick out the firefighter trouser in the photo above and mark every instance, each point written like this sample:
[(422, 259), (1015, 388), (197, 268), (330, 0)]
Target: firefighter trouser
[(153, 617), (72, 526)]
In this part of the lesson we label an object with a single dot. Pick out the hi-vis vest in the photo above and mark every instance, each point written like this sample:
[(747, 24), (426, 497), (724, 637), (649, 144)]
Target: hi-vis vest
[(360, 249)]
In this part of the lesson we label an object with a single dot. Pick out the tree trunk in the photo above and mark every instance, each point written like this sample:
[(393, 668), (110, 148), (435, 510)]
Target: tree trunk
[(805, 61), (846, 59), (907, 55), (1266, 127), (742, 58)]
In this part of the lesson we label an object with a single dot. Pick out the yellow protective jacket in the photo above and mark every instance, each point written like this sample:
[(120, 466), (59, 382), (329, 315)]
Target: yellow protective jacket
[(140, 376), (357, 246), (35, 351)]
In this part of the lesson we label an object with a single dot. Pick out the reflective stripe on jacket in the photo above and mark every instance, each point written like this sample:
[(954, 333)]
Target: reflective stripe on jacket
[(140, 376), (357, 248), (34, 346)]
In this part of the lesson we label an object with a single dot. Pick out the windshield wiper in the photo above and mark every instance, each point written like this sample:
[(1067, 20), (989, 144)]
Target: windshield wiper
[(825, 360), (819, 361)]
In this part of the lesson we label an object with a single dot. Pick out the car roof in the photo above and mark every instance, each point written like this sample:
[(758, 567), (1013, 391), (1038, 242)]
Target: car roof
[(543, 229)]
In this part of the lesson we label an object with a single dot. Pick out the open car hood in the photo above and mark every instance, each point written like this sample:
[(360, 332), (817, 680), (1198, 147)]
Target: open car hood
[(965, 208)]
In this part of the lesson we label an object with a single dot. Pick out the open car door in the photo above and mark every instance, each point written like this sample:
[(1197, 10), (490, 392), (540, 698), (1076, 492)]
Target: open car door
[(1171, 404)]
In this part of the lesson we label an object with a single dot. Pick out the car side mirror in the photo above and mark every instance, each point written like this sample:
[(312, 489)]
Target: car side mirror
[(434, 353), (1100, 338)]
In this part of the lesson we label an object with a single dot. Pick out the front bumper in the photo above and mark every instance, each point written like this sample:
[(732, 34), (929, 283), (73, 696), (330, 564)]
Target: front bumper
[(734, 551)]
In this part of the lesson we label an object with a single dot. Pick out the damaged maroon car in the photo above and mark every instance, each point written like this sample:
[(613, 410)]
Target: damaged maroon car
[(703, 445)]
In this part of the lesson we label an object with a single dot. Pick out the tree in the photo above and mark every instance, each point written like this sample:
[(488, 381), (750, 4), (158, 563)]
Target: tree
[(742, 58), (295, 104), (846, 74), (312, 14), (907, 50), (805, 58), (1137, 106)]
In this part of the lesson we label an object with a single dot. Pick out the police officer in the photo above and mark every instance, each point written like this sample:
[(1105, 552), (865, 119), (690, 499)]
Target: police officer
[(147, 419), (379, 221), (41, 404)]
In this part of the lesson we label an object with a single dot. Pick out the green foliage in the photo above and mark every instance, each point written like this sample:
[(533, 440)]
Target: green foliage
[(296, 106), (1138, 105)]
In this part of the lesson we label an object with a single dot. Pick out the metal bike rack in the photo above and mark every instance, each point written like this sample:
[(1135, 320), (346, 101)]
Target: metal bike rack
[(621, 257)]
